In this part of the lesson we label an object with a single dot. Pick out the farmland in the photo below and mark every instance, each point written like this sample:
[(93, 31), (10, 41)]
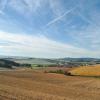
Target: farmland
[(93, 70), (49, 79), (37, 85)]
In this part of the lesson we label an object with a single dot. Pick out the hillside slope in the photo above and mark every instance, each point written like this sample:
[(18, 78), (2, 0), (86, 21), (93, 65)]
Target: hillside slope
[(32, 60), (7, 64)]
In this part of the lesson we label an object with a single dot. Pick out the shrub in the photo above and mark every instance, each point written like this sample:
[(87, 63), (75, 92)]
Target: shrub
[(57, 71), (60, 72)]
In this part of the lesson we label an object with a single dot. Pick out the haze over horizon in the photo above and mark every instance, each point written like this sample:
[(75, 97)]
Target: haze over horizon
[(50, 28)]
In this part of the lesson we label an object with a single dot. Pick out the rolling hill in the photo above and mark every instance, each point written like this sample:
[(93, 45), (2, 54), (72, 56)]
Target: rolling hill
[(7, 63), (68, 62)]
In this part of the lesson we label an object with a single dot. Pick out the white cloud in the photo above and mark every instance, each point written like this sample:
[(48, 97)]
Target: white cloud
[(39, 46), (2, 6), (26, 7), (57, 7), (2, 13)]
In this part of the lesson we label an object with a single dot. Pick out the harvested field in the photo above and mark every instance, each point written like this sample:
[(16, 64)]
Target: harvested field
[(37, 85), (87, 71)]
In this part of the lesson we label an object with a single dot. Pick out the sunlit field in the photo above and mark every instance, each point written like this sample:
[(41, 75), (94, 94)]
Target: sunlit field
[(37, 85), (87, 71)]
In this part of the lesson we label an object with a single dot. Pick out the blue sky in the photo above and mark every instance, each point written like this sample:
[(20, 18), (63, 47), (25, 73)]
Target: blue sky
[(50, 28)]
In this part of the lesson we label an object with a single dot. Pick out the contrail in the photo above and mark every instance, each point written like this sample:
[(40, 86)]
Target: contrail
[(60, 17), (84, 18), (87, 20)]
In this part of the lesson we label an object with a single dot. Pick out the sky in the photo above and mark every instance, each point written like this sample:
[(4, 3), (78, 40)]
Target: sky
[(50, 28)]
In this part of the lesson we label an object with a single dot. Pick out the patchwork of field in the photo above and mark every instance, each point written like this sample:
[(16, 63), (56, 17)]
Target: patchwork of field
[(37, 85), (93, 70), (34, 61)]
